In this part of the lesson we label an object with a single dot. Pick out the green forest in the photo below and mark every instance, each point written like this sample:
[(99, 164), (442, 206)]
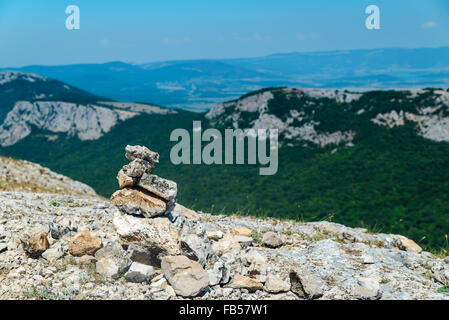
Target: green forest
[(392, 180)]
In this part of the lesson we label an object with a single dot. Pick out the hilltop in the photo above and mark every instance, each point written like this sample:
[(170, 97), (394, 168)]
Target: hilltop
[(25, 176), (56, 246)]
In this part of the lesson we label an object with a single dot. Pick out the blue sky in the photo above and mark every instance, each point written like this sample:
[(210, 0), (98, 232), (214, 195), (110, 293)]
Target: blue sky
[(33, 32)]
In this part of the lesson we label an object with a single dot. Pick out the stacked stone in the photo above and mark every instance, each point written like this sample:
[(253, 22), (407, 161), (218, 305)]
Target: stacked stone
[(143, 193), (154, 241)]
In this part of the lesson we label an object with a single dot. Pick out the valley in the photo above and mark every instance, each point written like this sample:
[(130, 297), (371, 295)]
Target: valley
[(377, 159), (197, 85)]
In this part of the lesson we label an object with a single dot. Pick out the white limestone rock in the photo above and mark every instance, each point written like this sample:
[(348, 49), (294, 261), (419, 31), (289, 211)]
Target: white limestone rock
[(166, 189), (187, 277), (139, 273)]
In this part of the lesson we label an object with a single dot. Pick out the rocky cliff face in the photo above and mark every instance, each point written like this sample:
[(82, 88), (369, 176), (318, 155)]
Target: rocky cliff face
[(431, 121), (260, 111), (29, 102), (305, 114), (85, 122), (74, 247)]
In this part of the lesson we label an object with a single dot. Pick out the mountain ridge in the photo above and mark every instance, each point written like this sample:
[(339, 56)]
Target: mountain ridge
[(31, 101), (179, 84)]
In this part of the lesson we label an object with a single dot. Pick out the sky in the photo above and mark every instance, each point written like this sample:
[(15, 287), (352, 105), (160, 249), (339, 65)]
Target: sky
[(139, 31)]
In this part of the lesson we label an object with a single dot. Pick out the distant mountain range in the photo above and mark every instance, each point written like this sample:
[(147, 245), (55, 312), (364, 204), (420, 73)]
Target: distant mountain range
[(199, 84)]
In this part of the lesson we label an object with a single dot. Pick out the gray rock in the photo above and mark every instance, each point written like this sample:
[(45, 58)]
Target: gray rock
[(214, 235), (368, 259), (227, 292), (225, 245), (257, 264), (12, 245), (61, 226), (181, 211), (188, 226), (274, 284), (140, 152), (187, 277), (112, 260), (137, 168), (125, 181), (244, 282), (220, 273), (306, 285), (161, 290), (244, 241), (53, 253), (406, 244), (272, 240), (170, 205), (3, 247), (149, 255), (196, 248), (367, 289), (107, 267), (86, 259), (139, 203), (152, 238), (442, 276), (193, 240), (166, 189), (139, 273)]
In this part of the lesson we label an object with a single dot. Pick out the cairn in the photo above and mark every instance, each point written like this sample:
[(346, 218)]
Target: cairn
[(143, 193)]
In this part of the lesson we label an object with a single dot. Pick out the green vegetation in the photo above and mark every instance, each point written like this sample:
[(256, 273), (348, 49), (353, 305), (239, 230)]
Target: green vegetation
[(54, 203), (444, 289), (392, 180), (281, 104)]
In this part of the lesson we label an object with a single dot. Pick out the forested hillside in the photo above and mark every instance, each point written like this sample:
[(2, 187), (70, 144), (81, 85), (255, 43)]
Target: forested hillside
[(376, 159)]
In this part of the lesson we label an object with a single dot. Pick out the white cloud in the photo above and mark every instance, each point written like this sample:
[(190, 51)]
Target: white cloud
[(429, 25)]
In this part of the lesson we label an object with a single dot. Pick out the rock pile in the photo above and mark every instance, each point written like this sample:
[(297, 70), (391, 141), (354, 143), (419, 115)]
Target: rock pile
[(143, 193), (147, 232), (156, 232)]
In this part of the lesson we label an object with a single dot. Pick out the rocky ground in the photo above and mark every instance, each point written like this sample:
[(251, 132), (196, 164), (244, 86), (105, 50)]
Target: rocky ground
[(67, 246), (20, 175)]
